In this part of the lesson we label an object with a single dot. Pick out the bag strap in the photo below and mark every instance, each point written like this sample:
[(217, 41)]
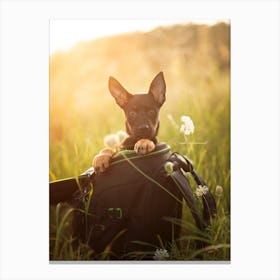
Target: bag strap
[(209, 204), (161, 148)]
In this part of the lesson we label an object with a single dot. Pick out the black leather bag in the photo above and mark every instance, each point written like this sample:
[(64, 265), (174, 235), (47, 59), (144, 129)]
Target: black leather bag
[(128, 209)]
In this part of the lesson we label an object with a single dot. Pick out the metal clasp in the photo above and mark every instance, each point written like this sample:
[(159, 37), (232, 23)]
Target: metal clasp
[(115, 213)]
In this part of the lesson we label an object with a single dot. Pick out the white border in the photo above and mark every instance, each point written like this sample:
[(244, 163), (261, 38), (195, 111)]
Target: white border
[(24, 137)]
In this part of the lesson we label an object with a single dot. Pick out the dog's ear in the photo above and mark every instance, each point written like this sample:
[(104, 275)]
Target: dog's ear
[(118, 92), (158, 88)]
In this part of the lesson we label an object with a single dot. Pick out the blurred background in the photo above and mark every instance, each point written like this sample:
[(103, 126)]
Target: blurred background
[(195, 60)]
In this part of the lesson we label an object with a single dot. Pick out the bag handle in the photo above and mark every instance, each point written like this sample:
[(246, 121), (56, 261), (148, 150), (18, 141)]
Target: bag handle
[(209, 204)]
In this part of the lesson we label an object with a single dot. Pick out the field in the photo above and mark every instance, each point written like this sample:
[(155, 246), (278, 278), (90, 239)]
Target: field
[(195, 60)]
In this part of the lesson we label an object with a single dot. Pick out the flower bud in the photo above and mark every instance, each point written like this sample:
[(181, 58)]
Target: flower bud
[(169, 167), (219, 191)]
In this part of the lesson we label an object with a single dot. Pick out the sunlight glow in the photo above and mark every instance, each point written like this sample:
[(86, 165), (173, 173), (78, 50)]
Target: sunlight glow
[(64, 34)]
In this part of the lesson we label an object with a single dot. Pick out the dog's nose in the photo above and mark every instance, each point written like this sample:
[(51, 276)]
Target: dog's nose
[(143, 128)]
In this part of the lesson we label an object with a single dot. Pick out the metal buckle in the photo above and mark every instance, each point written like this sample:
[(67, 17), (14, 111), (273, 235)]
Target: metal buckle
[(114, 213)]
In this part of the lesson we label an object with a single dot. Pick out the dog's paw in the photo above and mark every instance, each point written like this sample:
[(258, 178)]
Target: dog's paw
[(102, 161), (144, 146)]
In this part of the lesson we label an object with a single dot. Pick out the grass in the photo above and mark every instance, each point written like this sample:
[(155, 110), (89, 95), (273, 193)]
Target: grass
[(208, 104)]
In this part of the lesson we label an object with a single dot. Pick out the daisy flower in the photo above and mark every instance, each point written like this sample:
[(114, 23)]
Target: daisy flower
[(187, 127), (201, 190), (161, 255)]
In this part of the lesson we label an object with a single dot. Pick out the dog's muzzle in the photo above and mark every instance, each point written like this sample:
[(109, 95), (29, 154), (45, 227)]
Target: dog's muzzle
[(144, 130)]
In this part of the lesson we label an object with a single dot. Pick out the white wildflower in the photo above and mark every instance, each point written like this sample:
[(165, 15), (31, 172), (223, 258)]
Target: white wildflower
[(187, 127), (169, 167), (219, 191), (161, 255), (122, 135), (112, 141), (201, 190)]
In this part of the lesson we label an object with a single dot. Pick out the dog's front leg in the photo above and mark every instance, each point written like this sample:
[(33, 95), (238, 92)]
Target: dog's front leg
[(144, 146), (102, 161)]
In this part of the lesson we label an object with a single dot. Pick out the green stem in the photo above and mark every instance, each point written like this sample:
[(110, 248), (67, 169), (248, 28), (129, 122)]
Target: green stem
[(150, 178)]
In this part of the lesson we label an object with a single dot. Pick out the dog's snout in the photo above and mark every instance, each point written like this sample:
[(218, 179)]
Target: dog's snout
[(143, 128)]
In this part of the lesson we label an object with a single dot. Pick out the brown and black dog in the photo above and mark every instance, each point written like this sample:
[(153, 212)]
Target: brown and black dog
[(142, 119)]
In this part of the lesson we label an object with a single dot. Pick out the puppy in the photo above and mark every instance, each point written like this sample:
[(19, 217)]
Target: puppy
[(141, 119)]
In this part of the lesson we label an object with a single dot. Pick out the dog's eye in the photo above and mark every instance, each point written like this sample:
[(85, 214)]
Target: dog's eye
[(132, 114)]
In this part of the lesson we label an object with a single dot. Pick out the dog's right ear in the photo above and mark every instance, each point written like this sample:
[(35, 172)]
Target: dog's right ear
[(120, 94), (158, 88)]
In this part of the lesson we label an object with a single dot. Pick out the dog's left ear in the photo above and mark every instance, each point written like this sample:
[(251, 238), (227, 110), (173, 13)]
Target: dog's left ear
[(158, 88), (120, 94)]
